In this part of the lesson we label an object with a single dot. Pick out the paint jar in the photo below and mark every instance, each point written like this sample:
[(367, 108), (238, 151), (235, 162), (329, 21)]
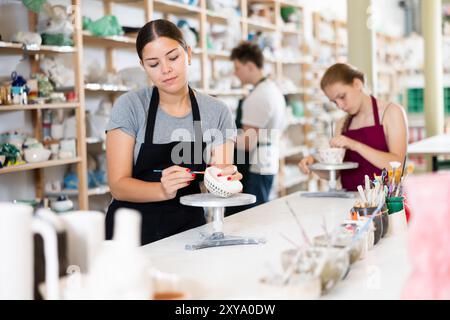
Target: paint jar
[(16, 93), (397, 216), (5, 95), (395, 204), (377, 221)]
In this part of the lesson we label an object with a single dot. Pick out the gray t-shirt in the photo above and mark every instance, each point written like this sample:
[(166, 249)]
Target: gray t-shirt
[(130, 111)]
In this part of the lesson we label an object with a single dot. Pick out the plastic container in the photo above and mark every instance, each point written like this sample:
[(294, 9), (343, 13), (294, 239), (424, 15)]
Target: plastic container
[(395, 204)]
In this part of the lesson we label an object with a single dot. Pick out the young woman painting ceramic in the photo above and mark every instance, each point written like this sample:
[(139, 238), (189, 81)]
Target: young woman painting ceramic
[(374, 132), (149, 127)]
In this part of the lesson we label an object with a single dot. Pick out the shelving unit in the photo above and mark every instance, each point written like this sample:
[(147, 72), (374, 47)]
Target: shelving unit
[(389, 68), (39, 165), (19, 107), (34, 54)]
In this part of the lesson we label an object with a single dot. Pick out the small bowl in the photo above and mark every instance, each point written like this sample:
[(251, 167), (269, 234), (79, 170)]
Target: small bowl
[(62, 206), (344, 241), (34, 155), (332, 155), (377, 221), (330, 264)]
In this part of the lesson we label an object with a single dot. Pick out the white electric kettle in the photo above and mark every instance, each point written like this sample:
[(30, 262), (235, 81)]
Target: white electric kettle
[(17, 226)]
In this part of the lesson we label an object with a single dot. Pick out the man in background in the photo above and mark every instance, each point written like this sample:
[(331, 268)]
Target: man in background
[(260, 116)]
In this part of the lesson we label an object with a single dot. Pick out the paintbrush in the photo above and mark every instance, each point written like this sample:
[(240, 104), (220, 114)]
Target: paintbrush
[(403, 167), (395, 165), (194, 172), (362, 194), (302, 230)]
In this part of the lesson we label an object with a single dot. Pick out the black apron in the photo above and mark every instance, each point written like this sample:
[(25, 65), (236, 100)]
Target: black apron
[(164, 218)]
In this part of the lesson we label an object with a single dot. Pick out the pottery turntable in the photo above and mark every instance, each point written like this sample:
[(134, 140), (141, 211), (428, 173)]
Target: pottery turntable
[(332, 182), (222, 194), (217, 205)]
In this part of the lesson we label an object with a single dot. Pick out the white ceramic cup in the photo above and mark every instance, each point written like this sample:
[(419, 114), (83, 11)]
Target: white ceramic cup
[(397, 223), (85, 234), (57, 131), (17, 227), (16, 248)]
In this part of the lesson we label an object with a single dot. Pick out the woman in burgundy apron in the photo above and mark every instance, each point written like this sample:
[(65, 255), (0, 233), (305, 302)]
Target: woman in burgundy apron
[(157, 181), (367, 142), (372, 136)]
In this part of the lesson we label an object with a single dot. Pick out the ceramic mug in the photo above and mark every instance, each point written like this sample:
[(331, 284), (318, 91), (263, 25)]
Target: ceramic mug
[(397, 223), (85, 234), (57, 131), (17, 227), (68, 145)]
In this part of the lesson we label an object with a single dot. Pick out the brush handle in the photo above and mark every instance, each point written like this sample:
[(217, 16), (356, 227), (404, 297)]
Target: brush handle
[(361, 193)]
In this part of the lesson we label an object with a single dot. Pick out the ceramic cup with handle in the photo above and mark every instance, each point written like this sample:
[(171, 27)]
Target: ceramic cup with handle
[(85, 234), (17, 227)]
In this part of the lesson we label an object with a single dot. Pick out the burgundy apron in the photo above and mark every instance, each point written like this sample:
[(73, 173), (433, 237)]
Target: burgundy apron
[(374, 138)]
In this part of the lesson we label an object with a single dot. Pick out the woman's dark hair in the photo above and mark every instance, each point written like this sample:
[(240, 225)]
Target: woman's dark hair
[(155, 29), (248, 52), (340, 72)]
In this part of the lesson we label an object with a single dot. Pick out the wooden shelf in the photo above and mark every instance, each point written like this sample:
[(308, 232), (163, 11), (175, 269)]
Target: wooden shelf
[(216, 18), (296, 61), (125, 1), (97, 87), (197, 51), (72, 105), (109, 41), (291, 31), (287, 3), (164, 6), (94, 140), (236, 92), (259, 26), (225, 55), (43, 49), (171, 7), (102, 190), (39, 165)]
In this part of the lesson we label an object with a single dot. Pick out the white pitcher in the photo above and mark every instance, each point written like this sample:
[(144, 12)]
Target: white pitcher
[(17, 226), (85, 235)]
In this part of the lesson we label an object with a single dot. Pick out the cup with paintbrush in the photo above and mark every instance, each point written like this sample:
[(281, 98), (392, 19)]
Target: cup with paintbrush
[(366, 206), (395, 204)]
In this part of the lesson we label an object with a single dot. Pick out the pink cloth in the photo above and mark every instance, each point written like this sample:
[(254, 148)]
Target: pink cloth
[(429, 237)]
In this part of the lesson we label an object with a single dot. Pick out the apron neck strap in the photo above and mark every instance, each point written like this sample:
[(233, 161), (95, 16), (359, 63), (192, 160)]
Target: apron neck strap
[(375, 111), (375, 114), (153, 109)]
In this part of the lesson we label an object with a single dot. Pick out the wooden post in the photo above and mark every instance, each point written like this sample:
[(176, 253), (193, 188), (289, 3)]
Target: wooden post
[(80, 111), (204, 45)]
